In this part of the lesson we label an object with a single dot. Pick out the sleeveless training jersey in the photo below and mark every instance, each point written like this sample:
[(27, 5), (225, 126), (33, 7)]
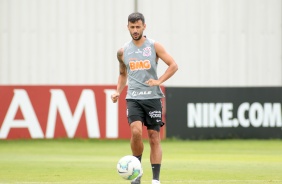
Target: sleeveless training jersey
[(141, 63)]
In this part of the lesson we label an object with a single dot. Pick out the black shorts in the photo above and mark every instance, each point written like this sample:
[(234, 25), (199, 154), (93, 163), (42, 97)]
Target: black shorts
[(149, 112)]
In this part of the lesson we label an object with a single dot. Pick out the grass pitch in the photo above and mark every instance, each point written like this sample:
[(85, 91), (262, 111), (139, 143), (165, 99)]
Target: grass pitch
[(94, 161)]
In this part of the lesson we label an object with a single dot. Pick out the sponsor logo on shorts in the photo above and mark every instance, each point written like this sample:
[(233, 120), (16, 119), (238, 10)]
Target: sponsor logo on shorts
[(155, 114)]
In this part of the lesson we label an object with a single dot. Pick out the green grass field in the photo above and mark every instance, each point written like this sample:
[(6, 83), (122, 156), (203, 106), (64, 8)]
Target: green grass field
[(94, 161)]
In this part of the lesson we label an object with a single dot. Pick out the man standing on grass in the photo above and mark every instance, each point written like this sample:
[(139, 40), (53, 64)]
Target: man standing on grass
[(138, 61)]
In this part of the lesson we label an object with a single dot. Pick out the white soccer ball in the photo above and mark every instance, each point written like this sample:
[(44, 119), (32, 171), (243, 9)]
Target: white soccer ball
[(129, 167)]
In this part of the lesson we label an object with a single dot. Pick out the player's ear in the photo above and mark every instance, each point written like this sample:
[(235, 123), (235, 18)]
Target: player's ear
[(144, 26)]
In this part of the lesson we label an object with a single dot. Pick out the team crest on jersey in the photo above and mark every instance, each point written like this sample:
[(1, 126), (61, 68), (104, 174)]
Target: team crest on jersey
[(147, 51)]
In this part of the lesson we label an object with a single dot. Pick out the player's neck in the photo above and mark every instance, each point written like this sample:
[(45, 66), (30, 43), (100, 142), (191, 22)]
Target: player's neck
[(140, 42)]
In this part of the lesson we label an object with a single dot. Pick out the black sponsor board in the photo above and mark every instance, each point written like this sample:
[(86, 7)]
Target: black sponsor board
[(219, 113)]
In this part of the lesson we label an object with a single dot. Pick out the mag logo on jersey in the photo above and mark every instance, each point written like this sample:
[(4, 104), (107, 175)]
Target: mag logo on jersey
[(139, 65)]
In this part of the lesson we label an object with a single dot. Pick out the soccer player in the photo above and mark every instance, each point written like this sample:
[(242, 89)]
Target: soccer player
[(138, 60)]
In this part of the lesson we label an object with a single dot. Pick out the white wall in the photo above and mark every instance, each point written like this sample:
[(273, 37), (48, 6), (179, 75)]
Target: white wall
[(61, 41), (214, 42)]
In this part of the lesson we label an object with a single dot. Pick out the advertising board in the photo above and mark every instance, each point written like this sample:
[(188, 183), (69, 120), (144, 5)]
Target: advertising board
[(62, 112), (204, 113)]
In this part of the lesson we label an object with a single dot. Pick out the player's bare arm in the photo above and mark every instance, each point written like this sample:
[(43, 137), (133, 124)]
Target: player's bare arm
[(122, 76), (172, 66)]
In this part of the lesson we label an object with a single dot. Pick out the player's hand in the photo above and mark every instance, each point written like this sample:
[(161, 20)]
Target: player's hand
[(115, 97), (152, 82)]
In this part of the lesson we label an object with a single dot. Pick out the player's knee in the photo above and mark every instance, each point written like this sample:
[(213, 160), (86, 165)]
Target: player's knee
[(136, 133), (154, 137)]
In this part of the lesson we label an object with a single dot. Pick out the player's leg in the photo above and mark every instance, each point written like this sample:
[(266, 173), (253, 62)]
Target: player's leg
[(136, 142), (153, 121), (137, 145), (135, 116), (155, 154)]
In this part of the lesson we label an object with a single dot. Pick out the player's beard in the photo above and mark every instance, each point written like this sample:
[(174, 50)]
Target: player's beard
[(138, 38)]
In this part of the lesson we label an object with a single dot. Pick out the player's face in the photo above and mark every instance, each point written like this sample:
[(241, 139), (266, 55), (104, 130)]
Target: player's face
[(136, 29)]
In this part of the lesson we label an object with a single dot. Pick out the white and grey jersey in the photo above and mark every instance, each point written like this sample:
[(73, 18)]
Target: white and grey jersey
[(141, 63)]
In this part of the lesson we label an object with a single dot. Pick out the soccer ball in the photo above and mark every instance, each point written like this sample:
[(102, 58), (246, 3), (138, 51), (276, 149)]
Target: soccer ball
[(129, 167)]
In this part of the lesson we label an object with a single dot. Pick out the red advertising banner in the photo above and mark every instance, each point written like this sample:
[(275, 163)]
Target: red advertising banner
[(39, 112)]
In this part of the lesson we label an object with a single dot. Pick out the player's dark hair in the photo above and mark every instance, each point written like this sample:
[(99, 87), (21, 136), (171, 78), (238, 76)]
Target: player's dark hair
[(133, 17)]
